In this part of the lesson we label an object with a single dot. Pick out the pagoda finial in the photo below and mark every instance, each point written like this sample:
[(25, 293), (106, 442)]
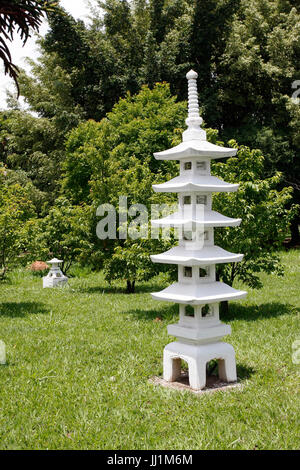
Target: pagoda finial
[(194, 121)]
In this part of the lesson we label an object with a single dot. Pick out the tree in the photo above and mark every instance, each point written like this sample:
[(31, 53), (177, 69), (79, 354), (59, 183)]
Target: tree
[(113, 158), (84, 147), (246, 54), (69, 46), (33, 148), (23, 16), (17, 219), (131, 262), (118, 53), (103, 159), (255, 76), (265, 212), (65, 233)]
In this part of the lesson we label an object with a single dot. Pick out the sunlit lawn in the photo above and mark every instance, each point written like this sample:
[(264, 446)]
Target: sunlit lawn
[(79, 360)]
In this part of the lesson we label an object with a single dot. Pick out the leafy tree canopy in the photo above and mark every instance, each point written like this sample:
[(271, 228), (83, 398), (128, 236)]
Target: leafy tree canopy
[(114, 158), (32, 147), (65, 233), (247, 55), (265, 215), (17, 221)]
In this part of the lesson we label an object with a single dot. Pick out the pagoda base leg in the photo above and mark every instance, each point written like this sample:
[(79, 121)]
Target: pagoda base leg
[(197, 356)]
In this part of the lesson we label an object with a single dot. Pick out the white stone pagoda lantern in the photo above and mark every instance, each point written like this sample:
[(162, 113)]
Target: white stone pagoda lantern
[(55, 276), (199, 331)]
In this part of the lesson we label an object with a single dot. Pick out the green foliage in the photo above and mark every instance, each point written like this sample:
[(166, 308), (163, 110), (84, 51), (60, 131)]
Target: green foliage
[(83, 148), (17, 223), (32, 147), (257, 69), (131, 262), (114, 158), (246, 54), (21, 178), (137, 126), (135, 43), (49, 93), (265, 212), (65, 233), (107, 157)]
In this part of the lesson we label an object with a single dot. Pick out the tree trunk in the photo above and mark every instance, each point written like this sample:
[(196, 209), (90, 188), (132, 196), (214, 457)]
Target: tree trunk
[(130, 287)]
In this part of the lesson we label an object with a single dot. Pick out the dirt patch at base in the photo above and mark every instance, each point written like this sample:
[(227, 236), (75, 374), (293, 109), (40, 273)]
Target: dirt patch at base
[(213, 384)]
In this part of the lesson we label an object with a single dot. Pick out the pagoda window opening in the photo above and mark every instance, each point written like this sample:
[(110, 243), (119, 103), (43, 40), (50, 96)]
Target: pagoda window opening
[(201, 199), (188, 166), (207, 311), (189, 311), (204, 272), (188, 272), (187, 200), (201, 166)]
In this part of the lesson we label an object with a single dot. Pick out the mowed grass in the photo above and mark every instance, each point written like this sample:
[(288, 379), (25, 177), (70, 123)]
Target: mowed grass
[(79, 360)]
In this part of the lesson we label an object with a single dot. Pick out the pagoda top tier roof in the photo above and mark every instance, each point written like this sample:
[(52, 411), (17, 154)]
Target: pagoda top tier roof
[(194, 143), (194, 149), (198, 294), (184, 183)]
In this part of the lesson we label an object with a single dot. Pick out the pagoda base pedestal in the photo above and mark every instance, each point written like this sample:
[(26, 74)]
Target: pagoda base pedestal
[(197, 356)]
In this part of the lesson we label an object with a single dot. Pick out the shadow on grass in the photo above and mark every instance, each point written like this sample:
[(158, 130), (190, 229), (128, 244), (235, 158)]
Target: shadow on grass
[(244, 372), (257, 312), (163, 313), (236, 312), (111, 289), (99, 290), (21, 309)]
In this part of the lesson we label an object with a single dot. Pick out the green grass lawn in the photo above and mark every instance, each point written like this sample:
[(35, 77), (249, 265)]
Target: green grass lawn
[(79, 360)]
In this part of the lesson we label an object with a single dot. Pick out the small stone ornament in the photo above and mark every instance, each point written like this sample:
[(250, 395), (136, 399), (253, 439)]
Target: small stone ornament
[(55, 277), (199, 331)]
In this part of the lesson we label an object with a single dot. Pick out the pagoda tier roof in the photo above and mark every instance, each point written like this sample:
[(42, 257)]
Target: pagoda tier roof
[(207, 255), (184, 183), (55, 260), (198, 294), (195, 148), (210, 219)]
